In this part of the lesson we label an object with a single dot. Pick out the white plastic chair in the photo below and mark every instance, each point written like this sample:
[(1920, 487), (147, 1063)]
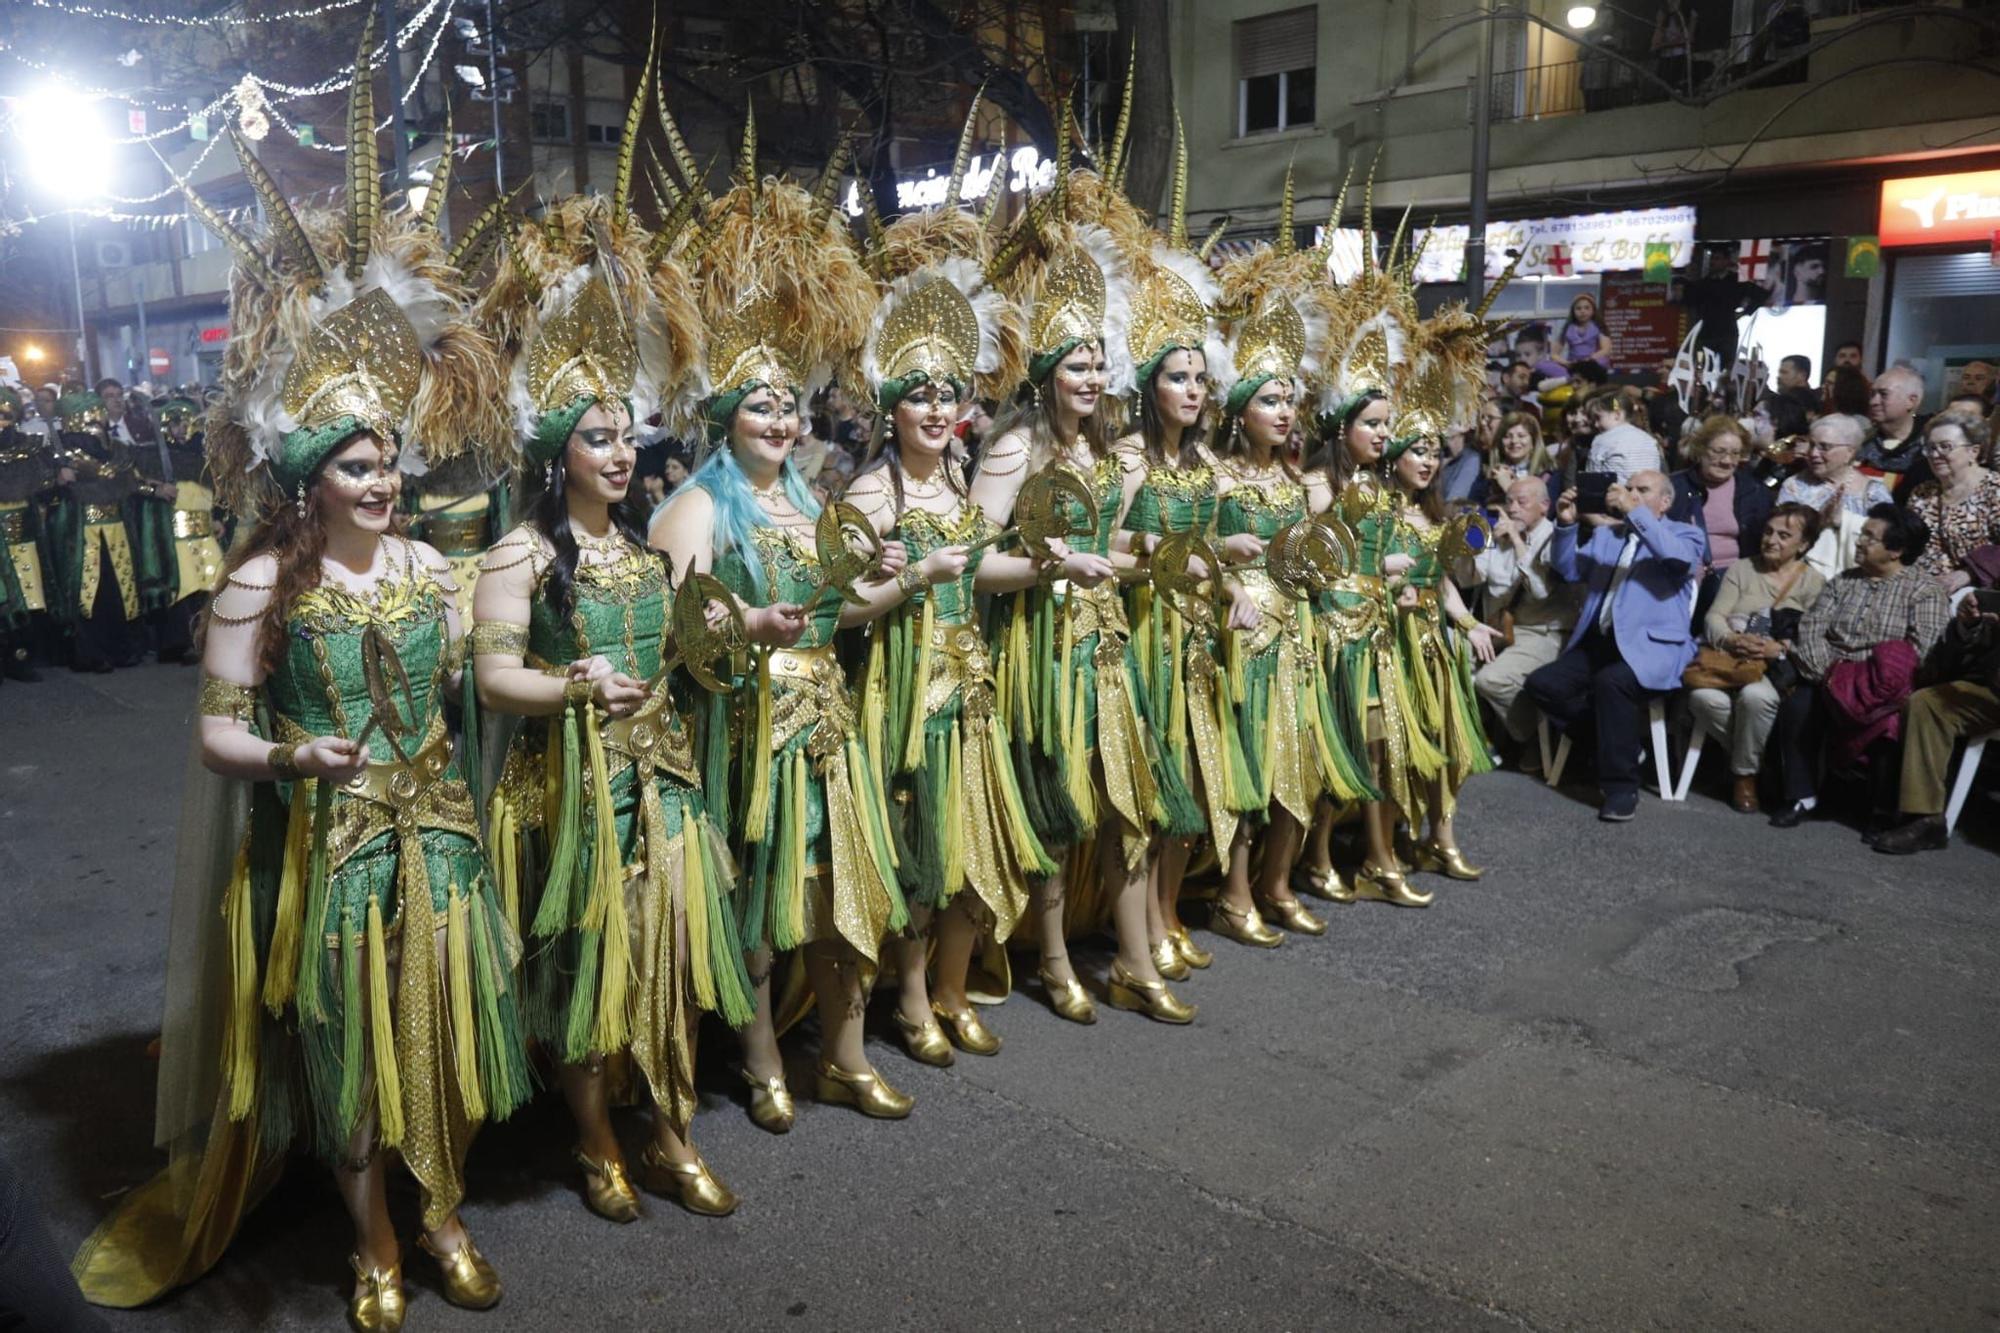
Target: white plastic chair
[(1663, 765), (1968, 769), (1691, 759)]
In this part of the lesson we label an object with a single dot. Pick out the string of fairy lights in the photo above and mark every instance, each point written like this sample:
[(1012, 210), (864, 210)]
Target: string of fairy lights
[(253, 101)]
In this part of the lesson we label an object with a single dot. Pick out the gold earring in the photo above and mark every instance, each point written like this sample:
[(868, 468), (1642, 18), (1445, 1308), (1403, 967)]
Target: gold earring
[(302, 499)]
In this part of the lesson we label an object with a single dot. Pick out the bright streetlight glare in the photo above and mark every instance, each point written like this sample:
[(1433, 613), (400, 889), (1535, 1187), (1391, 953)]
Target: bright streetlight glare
[(62, 139), (1581, 16), (33, 352)]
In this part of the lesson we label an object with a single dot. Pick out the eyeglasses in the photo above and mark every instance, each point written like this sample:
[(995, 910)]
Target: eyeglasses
[(1943, 449)]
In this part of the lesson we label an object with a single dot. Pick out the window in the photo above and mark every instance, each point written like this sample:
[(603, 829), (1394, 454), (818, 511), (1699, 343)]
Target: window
[(602, 136), (1276, 71), (549, 122)]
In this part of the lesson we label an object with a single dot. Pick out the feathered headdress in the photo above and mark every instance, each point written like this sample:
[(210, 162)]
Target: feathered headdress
[(344, 322), (1175, 297), (1278, 329), (1372, 320), (939, 318)]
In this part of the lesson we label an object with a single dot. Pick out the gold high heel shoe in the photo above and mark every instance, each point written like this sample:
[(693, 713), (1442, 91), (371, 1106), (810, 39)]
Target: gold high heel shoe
[(972, 1036), (925, 1042), (1068, 998), (1375, 884), (771, 1108), (377, 1303), (1191, 953), (1167, 958), (1444, 860), (1293, 916), (469, 1281), (691, 1184), (1151, 998), (1317, 883), (606, 1190), (867, 1092), (1245, 927)]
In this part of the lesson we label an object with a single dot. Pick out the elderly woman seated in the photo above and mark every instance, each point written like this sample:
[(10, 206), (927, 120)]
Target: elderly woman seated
[(1834, 485), (1722, 497), (1961, 504), (1751, 624)]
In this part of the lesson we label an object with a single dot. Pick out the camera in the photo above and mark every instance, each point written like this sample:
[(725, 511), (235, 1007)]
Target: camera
[(1591, 490)]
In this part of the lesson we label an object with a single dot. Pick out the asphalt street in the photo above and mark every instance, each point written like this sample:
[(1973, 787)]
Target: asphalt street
[(1686, 1073)]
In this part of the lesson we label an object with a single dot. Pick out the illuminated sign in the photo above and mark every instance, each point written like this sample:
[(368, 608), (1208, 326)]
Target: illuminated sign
[(214, 333), (1933, 210), (1025, 171), (1550, 247)]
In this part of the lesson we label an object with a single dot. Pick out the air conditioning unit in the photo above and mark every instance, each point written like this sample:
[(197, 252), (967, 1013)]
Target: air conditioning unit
[(114, 254)]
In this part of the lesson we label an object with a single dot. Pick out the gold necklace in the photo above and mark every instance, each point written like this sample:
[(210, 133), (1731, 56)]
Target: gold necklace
[(611, 544), (772, 494)]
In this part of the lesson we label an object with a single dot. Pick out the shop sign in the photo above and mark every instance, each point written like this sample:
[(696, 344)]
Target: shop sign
[(1550, 247), (1023, 169), (1940, 210), (214, 334)]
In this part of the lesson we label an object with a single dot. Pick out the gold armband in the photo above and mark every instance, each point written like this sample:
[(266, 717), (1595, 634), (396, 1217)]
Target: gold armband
[(284, 761), (579, 692), (1465, 623), (499, 638), (225, 698)]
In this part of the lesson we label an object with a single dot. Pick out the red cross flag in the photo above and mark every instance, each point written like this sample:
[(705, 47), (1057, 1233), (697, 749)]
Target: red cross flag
[(1557, 259), (1753, 260)]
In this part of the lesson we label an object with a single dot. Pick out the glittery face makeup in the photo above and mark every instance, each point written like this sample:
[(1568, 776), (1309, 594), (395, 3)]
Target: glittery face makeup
[(1267, 417), (600, 456), (1078, 381), (1367, 436), (924, 419), (1417, 465), (765, 427), (1180, 387), (359, 485)]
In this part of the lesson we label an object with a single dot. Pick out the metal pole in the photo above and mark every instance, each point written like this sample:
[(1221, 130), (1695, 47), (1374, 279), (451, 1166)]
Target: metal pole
[(1482, 117), (393, 63), (493, 93), (76, 278), (145, 343)]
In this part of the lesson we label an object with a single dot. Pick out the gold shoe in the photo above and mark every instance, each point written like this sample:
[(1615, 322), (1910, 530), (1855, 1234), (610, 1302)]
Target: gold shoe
[(1245, 927), (972, 1036), (1167, 958), (606, 1190), (1317, 883), (1444, 860), (1293, 916), (691, 1184), (771, 1107), (1191, 954), (1374, 884), (1340, 890), (925, 1042), (1151, 998), (469, 1281), (1068, 998), (867, 1092), (377, 1303)]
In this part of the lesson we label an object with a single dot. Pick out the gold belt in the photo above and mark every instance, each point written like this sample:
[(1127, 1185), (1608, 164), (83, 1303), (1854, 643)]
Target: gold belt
[(103, 514), (193, 523), (801, 663), (960, 640), (456, 535), (14, 521), (396, 784), (637, 735)]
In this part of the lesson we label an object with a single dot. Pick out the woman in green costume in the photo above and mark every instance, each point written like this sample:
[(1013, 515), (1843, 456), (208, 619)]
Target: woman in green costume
[(1068, 681), (364, 1004), (968, 848), (783, 294), (601, 835)]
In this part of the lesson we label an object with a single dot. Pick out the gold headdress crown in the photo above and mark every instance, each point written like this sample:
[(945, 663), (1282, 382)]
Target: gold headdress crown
[(742, 348), (1070, 306), (933, 329), (1272, 342), (363, 361), (584, 350), (1166, 312)]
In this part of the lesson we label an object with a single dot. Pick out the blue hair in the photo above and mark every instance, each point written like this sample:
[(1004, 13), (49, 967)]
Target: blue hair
[(737, 513)]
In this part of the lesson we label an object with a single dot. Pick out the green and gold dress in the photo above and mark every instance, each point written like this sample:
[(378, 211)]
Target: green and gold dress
[(25, 477), (1068, 689), (603, 846), (1204, 783), (930, 698), (1356, 633), (784, 757), (1447, 744), (332, 1015)]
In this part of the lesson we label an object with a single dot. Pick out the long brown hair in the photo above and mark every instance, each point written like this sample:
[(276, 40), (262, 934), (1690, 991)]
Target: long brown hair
[(1431, 498), (1340, 467), (1034, 412), (298, 541), (1153, 431)]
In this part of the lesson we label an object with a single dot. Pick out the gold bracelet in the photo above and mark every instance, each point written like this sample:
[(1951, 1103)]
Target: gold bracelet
[(284, 761), (911, 581), (579, 692), (1465, 623)]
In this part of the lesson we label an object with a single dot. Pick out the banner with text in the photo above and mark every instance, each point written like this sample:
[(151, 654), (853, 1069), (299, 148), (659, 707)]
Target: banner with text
[(1551, 247)]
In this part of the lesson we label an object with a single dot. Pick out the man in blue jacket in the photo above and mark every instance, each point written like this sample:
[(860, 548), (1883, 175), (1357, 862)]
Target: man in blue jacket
[(1632, 638)]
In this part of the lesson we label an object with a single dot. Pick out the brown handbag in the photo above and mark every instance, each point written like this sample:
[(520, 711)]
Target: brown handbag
[(1714, 669)]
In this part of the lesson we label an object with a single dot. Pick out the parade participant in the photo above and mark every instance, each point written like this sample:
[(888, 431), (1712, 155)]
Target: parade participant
[(340, 972), (783, 295), (93, 573), (1180, 357), (462, 510), (607, 859), (968, 851), (25, 479), (1068, 680), (176, 529)]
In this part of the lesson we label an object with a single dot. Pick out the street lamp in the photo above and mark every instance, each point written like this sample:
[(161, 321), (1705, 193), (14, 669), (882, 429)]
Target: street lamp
[(62, 138), (1580, 17)]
